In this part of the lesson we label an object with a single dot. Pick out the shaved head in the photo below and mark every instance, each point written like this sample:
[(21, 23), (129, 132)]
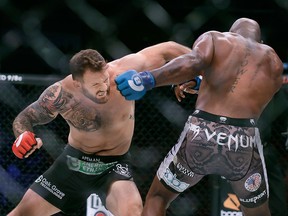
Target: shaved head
[(248, 28)]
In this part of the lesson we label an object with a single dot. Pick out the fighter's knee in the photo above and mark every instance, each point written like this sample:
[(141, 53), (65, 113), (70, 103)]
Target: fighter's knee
[(134, 209)]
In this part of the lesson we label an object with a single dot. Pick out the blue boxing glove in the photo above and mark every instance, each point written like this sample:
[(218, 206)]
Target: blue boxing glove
[(186, 86), (198, 80), (133, 85)]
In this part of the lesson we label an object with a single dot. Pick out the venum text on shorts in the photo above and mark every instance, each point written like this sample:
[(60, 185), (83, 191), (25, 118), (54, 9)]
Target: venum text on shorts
[(221, 138)]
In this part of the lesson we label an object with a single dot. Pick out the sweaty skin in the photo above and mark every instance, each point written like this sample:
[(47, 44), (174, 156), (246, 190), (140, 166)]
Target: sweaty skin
[(101, 121), (240, 76), (104, 127)]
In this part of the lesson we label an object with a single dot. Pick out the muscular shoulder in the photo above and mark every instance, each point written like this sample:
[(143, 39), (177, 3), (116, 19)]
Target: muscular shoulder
[(203, 49), (56, 97), (272, 59)]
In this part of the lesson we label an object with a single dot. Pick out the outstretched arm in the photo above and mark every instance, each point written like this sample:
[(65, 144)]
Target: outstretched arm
[(157, 55), (151, 57), (179, 70), (188, 66), (133, 85)]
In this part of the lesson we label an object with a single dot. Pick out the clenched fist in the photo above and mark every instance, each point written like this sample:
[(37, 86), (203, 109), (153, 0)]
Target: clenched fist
[(26, 144)]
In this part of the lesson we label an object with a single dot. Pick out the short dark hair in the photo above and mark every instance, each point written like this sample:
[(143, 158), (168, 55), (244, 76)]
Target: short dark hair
[(86, 59)]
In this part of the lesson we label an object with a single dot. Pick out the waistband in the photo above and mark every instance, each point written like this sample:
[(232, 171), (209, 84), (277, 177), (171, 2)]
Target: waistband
[(241, 122), (71, 151)]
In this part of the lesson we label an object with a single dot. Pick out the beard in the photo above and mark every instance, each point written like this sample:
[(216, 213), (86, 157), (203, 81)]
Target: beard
[(95, 98)]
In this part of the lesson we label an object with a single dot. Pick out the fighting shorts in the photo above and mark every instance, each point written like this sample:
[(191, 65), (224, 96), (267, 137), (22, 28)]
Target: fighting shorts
[(211, 144), (74, 176)]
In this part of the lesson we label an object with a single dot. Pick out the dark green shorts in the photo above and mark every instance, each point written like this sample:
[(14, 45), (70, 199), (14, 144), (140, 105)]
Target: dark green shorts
[(74, 176)]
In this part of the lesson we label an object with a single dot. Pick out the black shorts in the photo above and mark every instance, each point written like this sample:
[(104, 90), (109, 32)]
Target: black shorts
[(74, 176), (228, 147)]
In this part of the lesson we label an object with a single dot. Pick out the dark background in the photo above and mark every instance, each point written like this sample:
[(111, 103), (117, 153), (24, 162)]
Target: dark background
[(39, 37)]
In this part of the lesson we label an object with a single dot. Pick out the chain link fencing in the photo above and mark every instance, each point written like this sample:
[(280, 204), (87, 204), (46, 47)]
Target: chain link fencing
[(159, 121)]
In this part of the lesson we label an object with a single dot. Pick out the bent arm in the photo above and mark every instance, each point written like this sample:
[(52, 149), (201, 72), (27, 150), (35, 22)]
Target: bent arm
[(42, 111), (133, 85), (177, 71), (186, 67)]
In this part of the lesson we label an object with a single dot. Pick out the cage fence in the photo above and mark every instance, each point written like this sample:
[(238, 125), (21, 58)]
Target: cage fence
[(159, 121)]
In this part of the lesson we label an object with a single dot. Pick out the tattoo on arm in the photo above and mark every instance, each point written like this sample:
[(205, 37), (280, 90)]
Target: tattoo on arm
[(42, 111)]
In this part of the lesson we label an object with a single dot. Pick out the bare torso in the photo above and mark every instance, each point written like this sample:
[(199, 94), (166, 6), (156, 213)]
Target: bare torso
[(242, 78), (101, 120), (104, 129)]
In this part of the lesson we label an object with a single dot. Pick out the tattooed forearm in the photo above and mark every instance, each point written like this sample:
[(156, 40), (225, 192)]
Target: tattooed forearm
[(42, 111), (20, 125), (29, 117)]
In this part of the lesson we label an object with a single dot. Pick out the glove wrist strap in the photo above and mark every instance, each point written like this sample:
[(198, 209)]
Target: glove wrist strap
[(198, 80), (147, 79)]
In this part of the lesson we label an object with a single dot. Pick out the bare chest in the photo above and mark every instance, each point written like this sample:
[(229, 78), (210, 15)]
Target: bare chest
[(83, 118), (88, 116)]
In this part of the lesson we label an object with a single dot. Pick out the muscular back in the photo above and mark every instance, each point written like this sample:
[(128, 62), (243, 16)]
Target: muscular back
[(241, 78)]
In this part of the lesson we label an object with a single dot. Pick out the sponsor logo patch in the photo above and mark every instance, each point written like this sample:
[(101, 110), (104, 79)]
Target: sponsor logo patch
[(95, 207), (255, 198), (121, 170), (253, 182), (50, 187), (232, 202), (88, 168), (172, 181), (185, 171)]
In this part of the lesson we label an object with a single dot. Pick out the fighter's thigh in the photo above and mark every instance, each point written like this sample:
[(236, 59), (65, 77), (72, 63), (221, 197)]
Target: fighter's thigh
[(33, 204), (123, 198), (159, 192)]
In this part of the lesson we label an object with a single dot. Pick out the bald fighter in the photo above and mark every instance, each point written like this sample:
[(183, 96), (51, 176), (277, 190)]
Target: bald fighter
[(240, 75)]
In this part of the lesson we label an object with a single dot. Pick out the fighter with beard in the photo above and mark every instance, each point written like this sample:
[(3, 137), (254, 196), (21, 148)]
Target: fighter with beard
[(96, 158)]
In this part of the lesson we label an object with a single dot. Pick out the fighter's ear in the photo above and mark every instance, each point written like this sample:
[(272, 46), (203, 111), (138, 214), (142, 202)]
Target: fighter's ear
[(77, 83)]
